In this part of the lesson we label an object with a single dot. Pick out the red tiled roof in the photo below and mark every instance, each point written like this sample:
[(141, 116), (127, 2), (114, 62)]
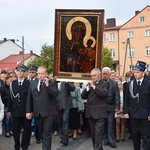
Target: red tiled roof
[(11, 61), (11, 66)]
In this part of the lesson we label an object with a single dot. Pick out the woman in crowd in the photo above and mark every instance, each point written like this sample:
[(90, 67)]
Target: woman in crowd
[(4, 90), (120, 120), (74, 119)]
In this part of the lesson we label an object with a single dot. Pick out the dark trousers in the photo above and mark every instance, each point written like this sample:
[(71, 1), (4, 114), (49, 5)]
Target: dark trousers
[(19, 122), (97, 131), (37, 134), (85, 121), (140, 129), (129, 126), (63, 124), (55, 126), (109, 133), (45, 127)]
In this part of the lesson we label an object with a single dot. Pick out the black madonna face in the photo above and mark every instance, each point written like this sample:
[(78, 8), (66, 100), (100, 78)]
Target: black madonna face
[(78, 30)]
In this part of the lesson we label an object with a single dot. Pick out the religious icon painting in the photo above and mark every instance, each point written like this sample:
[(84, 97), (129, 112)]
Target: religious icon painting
[(78, 43)]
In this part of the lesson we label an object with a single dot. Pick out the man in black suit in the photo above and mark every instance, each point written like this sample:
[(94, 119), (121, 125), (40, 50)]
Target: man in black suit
[(137, 101), (113, 105), (32, 75), (96, 94), (63, 106), (41, 102), (17, 109)]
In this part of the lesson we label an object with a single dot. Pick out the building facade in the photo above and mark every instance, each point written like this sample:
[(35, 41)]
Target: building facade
[(129, 42)]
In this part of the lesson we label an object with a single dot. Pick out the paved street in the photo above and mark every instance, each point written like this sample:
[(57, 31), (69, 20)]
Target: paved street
[(82, 143)]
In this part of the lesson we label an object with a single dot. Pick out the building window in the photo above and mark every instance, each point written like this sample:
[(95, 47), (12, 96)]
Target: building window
[(112, 51), (141, 19), (104, 38), (111, 37), (147, 32), (130, 34), (131, 52), (131, 67), (148, 67), (148, 51)]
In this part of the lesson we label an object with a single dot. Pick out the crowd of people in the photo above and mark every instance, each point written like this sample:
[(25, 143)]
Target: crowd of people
[(34, 104)]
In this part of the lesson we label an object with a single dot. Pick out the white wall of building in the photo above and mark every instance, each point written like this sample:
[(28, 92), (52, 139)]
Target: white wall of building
[(7, 48)]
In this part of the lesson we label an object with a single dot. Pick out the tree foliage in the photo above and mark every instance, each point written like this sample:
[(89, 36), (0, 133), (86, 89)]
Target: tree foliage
[(107, 60), (47, 53), (45, 59)]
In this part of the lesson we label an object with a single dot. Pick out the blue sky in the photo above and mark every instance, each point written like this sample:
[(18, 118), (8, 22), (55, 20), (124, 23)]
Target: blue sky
[(34, 19)]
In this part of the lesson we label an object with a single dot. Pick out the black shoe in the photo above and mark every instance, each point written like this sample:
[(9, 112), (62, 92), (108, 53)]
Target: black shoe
[(123, 140), (117, 140), (130, 138), (7, 135), (88, 134), (38, 142), (61, 141), (65, 143), (112, 145), (106, 143)]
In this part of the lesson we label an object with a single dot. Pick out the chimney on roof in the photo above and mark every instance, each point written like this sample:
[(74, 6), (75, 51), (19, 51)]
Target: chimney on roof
[(111, 22), (31, 52), (136, 12), (5, 39), (20, 52)]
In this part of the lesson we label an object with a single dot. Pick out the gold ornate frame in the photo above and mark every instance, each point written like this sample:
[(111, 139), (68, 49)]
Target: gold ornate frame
[(71, 61)]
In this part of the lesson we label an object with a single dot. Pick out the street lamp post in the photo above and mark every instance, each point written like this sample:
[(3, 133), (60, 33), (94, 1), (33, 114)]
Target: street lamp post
[(123, 57), (130, 55), (22, 42), (22, 49)]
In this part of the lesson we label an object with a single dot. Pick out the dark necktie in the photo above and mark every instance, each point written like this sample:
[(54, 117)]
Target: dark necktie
[(139, 84), (41, 83), (20, 83)]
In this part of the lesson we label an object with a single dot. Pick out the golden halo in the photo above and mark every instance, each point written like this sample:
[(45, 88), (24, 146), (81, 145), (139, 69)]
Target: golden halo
[(87, 38), (82, 19)]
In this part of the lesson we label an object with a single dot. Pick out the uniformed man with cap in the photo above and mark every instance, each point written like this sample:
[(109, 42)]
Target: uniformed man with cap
[(32, 75), (137, 101), (17, 109)]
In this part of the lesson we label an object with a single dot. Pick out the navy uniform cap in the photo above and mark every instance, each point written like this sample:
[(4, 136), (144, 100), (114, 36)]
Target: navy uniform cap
[(140, 65), (32, 69), (21, 67)]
